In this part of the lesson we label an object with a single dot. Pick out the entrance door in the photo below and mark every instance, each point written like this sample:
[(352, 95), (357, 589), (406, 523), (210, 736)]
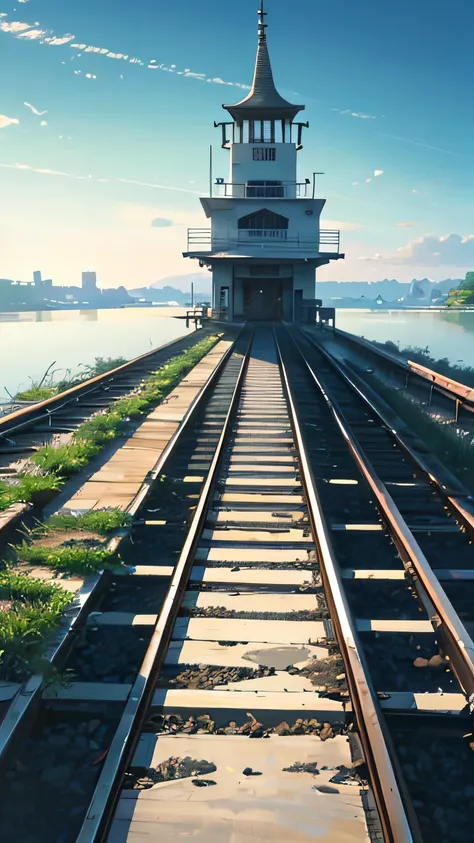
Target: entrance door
[(262, 299)]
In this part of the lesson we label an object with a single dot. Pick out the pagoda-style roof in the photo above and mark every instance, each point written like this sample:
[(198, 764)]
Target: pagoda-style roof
[(263, 102)]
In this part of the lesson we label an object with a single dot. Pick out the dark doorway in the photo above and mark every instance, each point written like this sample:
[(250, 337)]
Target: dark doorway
[(263, 299)]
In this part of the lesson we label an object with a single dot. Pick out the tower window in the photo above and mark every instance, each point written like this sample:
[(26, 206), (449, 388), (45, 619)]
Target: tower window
[(264, 153), (262, 189)]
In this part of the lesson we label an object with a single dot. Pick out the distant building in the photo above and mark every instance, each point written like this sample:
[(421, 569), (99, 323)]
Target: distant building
[(89, 283), (37, 278)]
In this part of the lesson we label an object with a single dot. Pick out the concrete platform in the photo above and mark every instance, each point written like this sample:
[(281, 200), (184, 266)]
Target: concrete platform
[(117, 483), (274, 807), (246, 576), (229, 629), (249, 555), (248, 602), (278, 656), (266, 536), (294, 703)]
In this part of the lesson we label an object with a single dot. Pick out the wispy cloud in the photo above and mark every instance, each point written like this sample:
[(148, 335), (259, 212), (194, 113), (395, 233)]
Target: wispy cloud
[(349, 113), (21, 29), (48, 172), (376, 174), (34, 110), (429, 250), (417, 143), (7, 121), (161, 222), (404, 224)]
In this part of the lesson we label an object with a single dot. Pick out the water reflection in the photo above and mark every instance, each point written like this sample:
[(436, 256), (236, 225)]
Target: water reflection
[(29, 342)]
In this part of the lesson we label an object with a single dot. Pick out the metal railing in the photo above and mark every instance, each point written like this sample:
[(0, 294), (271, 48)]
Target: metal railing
[(262, 234), (285, 190), (202, 240)]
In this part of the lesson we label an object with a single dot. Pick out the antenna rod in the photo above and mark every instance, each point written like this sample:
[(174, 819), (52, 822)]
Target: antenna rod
[(261, 22), (314, 182), (210, 171)]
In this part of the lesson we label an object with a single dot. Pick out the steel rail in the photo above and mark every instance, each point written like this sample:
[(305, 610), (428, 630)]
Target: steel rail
[(107, 791), (393, 817), (445, 620), (44, 409), (88, 594), (447, 387), (456, 501)]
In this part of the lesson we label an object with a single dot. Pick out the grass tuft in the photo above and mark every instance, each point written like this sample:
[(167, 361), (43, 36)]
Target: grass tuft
[(65, 459), (99, 429), (75, 557), (131, 408), (100, 521), (32, 610), (36, 393), (27, 487)]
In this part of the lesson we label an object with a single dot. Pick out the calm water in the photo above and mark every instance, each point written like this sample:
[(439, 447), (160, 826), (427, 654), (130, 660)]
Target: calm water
[(29, 342), (447, 334)]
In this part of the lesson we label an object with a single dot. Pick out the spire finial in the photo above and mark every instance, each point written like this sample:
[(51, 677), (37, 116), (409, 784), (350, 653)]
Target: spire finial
[(261, 22)]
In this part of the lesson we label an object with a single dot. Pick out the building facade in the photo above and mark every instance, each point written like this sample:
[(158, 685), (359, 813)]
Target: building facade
[(264, 242), (89, 283)]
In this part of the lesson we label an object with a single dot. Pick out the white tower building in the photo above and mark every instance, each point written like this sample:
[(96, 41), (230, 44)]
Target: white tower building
[(264, 243)]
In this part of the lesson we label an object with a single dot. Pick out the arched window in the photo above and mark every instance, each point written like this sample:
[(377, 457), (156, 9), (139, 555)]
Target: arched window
[(263, 223)]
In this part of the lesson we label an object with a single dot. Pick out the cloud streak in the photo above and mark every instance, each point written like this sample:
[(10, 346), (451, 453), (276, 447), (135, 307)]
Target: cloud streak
[(376, 174), (418, 143), (7, 121), (349, 113), (34, 110), (114, 180), (20, 29)]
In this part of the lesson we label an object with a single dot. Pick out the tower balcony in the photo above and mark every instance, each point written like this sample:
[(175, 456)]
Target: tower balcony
[(262, 240), (264, 190)]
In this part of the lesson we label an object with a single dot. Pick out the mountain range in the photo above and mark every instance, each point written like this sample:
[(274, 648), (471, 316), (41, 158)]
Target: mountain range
[(177, 288)]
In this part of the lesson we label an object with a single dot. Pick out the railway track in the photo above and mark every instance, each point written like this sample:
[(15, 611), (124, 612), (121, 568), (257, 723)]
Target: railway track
[(453, 401), (274, 595), (22, 431), (403, 547)]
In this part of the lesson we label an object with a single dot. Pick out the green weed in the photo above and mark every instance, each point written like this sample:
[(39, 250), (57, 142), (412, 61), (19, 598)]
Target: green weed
[(75, 557), (100, 521), (131, 408), (36, 393), (26, 487), (65, 459), (35, 610)]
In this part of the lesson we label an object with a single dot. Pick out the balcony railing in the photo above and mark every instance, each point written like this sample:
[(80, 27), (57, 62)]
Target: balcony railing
[(258, 239), (286, 190), (262, 234)]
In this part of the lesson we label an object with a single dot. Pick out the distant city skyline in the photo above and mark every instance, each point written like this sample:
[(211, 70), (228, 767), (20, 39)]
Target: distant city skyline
[(105, 128)]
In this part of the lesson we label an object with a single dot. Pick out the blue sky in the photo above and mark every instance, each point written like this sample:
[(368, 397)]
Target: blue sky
[(124, 142)]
